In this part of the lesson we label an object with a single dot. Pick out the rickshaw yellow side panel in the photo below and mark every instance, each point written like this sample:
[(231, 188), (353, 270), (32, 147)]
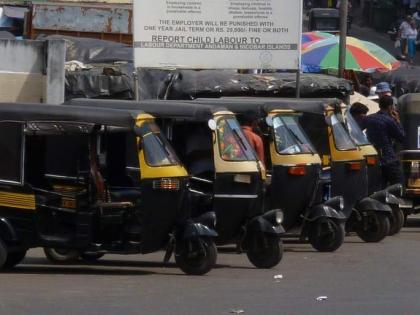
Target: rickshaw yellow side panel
[(17, 200)]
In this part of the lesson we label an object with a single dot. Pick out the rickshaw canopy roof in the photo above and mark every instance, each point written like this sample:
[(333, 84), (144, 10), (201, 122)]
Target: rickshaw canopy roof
[(29, 112), (159, 108), (263, 105)]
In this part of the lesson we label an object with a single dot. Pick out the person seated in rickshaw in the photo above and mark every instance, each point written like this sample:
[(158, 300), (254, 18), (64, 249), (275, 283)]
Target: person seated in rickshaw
[(230, 149), (248, 123)]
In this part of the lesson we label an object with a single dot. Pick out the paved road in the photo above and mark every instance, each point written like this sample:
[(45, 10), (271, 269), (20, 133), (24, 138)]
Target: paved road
[(359, 278)]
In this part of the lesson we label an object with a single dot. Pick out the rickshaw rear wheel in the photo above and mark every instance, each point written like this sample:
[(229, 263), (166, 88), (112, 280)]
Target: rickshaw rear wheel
[(91, 257), (267, 253), (397, 220), (377, 228), (61, 256), (14, 258), (326, 235), (198, 261)]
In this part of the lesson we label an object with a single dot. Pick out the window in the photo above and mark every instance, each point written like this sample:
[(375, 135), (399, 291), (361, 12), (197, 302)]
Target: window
[(355, 132), (11, 148), (157, 150), (341, 137), (289, 137), (233, 144)]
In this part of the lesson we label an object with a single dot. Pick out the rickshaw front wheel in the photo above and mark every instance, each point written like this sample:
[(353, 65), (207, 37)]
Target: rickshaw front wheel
[(196, 256), (397, 220), (326, 235), (14, 258), (265, 252), (375, 228), (61, 255)]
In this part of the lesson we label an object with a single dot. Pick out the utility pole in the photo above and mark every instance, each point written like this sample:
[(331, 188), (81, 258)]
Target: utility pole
[(343, 34)]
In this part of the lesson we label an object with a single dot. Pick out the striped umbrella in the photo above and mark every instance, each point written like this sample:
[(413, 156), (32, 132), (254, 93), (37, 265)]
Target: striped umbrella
[(309, 37), (360, 56)]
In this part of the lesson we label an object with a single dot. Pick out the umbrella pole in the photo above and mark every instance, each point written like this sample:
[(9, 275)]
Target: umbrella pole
[(343, 35), (298, 83)]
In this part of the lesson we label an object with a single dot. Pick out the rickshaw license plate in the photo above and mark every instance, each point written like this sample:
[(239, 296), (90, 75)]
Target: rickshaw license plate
[(241, 178)]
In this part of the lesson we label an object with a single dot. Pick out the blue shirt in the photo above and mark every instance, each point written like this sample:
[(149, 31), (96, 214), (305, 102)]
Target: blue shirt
[(382, 130)]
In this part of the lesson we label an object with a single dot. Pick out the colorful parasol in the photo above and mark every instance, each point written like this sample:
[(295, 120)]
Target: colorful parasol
[(360, 56), (309, 37)]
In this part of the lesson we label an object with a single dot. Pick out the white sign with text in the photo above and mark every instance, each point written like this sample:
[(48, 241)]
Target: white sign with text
[(217, 34)]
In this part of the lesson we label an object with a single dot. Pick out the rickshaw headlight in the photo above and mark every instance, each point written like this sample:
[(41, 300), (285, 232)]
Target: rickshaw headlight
[(279, 217)]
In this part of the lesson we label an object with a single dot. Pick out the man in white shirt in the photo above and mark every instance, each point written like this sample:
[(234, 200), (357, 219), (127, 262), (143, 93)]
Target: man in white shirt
[(403, 33)]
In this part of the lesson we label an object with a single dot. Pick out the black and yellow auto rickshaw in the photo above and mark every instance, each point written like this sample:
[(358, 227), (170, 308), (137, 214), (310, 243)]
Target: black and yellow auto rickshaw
[(324, 20), (63, 185), (225, 174), (409, 109), (293, 168), (390, 195), (345, 169)]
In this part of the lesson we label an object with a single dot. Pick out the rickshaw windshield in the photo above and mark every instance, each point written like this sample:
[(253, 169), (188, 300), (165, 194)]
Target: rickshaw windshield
[(326, 23), (354, 130), (233, 144), (289, 137), (157, 150), (341, 137)]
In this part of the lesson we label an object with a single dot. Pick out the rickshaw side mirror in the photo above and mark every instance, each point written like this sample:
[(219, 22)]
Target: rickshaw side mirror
[(212, 124), (269, 121)]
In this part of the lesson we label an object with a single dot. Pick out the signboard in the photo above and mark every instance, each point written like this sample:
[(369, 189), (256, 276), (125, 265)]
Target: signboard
[(217, 34)]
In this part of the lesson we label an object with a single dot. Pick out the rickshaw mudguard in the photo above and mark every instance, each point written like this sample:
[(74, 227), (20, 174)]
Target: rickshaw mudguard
[(264, 224), (204, 225), (7, 232), (385, 197), (370, 204), (324, 211)]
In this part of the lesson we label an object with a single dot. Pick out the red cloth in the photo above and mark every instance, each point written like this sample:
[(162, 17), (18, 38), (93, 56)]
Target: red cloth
[(255, 141)]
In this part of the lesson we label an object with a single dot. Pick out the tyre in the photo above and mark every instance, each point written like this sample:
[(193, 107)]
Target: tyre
[(14, 258), (265, 252), (396, 221), (3, 254), (200, 260), (375, 229), (326, 235), (61, 256), (91, 257)]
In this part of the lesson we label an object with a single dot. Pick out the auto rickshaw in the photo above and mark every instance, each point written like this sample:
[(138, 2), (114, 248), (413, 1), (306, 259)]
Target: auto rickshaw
[(225, 174), (409, 109), (345, 169), (293, 168), (63, 185), (324, 20), (390, 195)]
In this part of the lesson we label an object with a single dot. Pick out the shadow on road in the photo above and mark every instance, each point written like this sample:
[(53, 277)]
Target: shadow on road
[(35, 265)]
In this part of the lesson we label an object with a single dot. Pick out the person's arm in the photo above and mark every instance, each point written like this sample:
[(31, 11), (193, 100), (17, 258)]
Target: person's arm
[(396, 130)]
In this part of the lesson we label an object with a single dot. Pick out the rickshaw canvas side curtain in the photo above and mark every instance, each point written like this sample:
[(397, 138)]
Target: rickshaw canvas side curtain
[(360, 56)]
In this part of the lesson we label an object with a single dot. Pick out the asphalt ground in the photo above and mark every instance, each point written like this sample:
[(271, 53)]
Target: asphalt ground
[(359, 278)]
